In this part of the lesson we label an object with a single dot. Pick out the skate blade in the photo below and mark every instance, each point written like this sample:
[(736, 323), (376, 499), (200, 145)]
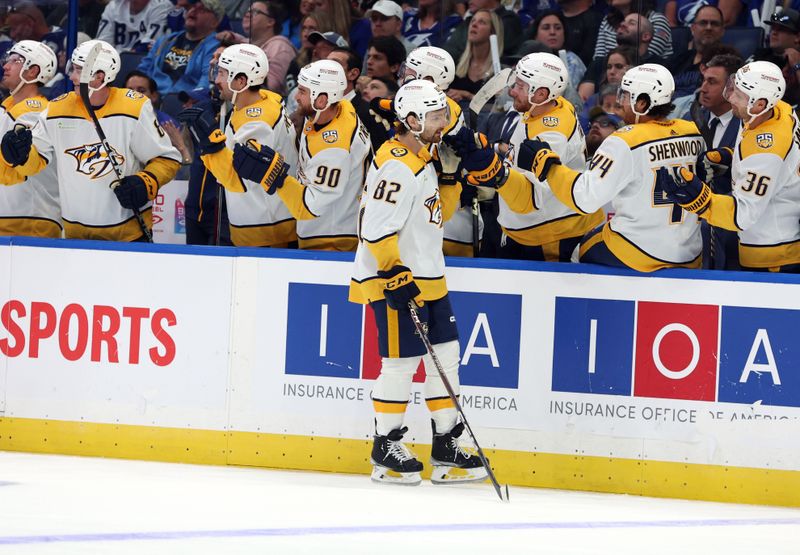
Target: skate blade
[(386, 476), (455, 475)]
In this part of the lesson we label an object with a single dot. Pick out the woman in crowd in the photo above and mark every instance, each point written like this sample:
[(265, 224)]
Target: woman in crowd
[(348, 22), (294, 24), (475, 65), (549, 28), (431, 23)]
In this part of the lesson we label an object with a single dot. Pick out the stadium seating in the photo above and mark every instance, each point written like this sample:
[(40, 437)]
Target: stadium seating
[(130, 61), (745, 39)]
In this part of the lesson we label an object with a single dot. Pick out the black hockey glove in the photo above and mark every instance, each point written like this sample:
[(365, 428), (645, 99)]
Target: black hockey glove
[(536, 157), (261, 164), (399, 287), (16, 145), (714, 163), (204, 127), (382, 111), (133, 191), (685, 189)]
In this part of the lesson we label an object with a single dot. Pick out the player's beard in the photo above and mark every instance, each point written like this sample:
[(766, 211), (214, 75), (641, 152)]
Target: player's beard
[(305, 110)]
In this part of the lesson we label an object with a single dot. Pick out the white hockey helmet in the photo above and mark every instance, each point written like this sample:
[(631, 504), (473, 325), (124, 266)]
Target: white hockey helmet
[(418, 97), (246, 59), (323, 77), (35, 54), (430, 62), (107, 61), (758, 80), (654, 80), (541, 69)]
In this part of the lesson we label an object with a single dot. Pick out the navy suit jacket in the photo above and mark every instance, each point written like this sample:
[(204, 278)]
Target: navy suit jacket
[(722, 184)]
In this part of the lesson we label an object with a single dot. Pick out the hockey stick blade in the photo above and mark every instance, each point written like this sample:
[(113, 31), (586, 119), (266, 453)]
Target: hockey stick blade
[(492, 88), (83, 89), (502, 491)]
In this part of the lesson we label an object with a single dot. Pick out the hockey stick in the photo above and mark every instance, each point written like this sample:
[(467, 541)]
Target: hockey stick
[(86, 76), (223, 111), (423, 334), (489, 90)]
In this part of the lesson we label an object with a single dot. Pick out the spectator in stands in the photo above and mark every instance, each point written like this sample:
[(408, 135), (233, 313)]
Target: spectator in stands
[(601, 125), (348, 22), (512, 29), (384, 57), (296, 18), (582, 23), (386, 18), (549, 29), (134, 25), (180, 60), (89, 14), (351, 63), (784, 50), (681, 13), (736, 13), (141, 83), (620, 60), (25, 21), (636, 31), (707, 32), (316, 21), (379, 88), (720, 128), (324, 43), (660, 45), (474, 66), (424, 26), (262, 24)]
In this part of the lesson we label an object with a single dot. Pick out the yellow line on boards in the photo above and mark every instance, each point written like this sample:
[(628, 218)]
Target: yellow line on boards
[(547, 470)]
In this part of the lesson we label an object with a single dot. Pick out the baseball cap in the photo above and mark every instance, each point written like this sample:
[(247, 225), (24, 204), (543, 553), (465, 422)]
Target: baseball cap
[(212, 5), (387, 8), (787, 17), (597, 112), (334, 38)]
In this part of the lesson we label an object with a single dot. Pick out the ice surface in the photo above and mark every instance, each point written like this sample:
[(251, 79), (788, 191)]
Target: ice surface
[(62, 505)]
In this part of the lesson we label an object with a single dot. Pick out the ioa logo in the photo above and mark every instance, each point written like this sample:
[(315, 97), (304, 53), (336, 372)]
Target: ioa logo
[(550, 121), (330, 136), (764, 140), (435, 208), (93, 160)]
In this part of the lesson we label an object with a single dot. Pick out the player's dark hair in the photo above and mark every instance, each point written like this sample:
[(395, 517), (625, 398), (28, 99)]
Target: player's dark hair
[(729, 62)]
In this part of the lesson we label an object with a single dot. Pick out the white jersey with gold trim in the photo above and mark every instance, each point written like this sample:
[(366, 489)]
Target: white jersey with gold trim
[(623, 170), (401, 202), (30, 207), (333, 160), (66, 136), (766, 180)]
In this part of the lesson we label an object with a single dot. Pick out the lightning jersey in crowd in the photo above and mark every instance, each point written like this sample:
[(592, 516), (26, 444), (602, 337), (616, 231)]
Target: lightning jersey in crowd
[(256, 219), (31, 206), (540, 218), (458, 229), (647, 232), (400, 222), (324, 198), (65, 135), (133, 32), (765, 206)]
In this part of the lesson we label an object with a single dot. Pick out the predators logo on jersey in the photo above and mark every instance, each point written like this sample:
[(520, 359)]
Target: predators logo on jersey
[(434, 206), (133, 94), (764, 140), (330, 136), (550, 121), (92, 159)]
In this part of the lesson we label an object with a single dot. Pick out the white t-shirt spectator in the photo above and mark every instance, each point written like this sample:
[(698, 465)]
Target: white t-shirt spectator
[(133, 32)]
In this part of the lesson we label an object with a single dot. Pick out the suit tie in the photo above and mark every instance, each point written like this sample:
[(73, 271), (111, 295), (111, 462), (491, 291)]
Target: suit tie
[(712, 130)]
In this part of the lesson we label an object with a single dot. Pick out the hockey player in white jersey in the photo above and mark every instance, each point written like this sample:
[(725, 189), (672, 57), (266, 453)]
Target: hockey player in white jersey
[(436, 65), (648, 231), (256, 220), (334, 153), (65, 136), (30, 207), (133, 25), (399, 260), (765, 169), (535, 224)]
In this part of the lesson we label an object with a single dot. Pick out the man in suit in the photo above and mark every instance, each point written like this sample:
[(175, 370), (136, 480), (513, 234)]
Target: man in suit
[(720, 129)]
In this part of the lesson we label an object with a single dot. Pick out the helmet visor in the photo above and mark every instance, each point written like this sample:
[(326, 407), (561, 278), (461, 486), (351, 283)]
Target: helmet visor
[(730, 88)]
